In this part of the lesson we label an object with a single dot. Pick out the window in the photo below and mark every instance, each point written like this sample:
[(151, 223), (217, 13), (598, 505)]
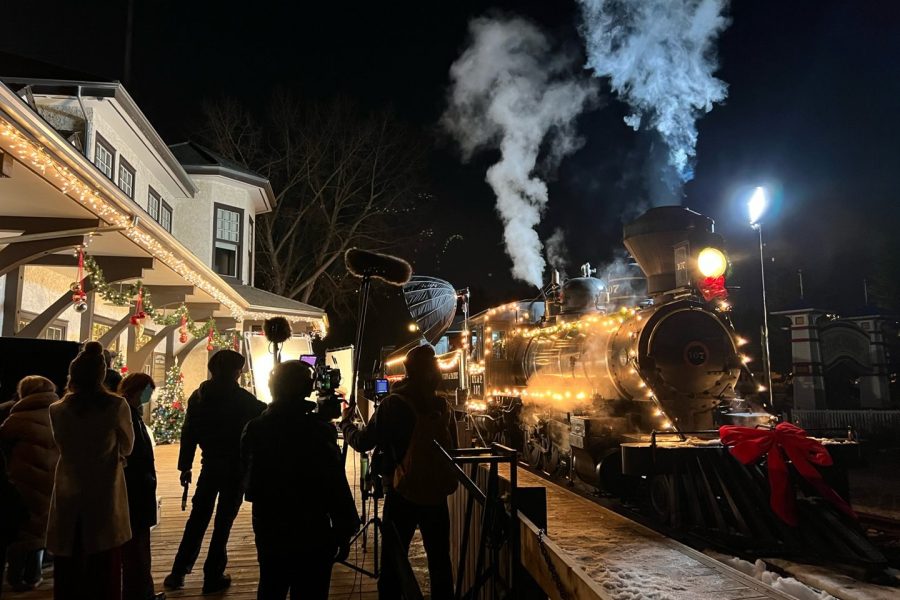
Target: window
[(126, 178), (153, 204), (56, 331), (251, 241), (227, 241), (165, 216), (104, 156)]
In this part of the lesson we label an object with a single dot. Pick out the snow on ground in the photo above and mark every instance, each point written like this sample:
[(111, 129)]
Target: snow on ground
[(758, 571), (838, 585)]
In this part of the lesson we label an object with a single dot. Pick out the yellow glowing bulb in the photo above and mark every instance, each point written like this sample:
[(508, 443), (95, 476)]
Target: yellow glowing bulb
[(711, 262), (667, 425), (657, 413), (745, 359), (741, 341), (761, 388)]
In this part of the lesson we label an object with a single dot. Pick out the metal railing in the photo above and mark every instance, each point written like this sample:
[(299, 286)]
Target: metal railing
[(499, 526)]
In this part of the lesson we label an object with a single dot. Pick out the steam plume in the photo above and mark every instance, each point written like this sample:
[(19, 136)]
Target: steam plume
[(556, 251), (511, 91), (659, 57)]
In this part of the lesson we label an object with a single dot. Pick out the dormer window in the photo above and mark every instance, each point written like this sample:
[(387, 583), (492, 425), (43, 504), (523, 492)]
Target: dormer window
[(227, 243), (104, 156)]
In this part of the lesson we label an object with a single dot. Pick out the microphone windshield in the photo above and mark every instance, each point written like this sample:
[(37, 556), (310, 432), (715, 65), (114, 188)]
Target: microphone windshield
[(365, 263)]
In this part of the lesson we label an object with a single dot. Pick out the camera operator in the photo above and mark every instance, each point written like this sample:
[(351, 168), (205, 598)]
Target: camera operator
[(303, 511), (417, 480)]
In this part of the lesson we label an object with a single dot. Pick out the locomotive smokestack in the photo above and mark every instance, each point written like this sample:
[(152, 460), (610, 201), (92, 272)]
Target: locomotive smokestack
[(651, 239)]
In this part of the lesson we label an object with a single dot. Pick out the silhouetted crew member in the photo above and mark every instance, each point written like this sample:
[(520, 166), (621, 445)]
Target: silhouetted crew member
[(417, 480), (217, 413), (303, 512)]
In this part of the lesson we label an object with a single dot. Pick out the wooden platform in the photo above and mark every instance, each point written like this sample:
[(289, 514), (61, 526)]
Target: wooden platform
[(242, 565)]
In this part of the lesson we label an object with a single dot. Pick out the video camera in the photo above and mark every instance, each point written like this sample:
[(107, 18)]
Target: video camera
[(326, 380)]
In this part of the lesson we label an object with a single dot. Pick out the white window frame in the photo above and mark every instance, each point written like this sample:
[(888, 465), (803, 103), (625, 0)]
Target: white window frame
[(225, 242), (101, 144), (154, 202), (126, 169)]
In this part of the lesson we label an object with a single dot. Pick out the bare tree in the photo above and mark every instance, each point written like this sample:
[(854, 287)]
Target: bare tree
[(342, 178)]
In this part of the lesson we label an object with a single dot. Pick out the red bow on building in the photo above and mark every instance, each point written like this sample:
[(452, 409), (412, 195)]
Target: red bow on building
[(748, 445)]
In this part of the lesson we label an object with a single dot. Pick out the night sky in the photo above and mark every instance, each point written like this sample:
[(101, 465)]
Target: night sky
[(812, 111)]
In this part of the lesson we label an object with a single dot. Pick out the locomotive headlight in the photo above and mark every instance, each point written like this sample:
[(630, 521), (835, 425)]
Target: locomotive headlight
[(711, 262)]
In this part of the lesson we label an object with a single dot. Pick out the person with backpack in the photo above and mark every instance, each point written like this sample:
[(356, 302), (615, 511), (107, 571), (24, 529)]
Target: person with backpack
[(216, 415), (417, 479), (300, 529)]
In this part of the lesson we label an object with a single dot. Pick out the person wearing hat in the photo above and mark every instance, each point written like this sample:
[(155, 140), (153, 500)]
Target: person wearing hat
[(216, 415), (300, 529), (89, 518), (416, 478)]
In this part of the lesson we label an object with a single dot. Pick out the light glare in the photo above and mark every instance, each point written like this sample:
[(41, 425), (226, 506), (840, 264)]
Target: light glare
[(757, 205), (712, 262)]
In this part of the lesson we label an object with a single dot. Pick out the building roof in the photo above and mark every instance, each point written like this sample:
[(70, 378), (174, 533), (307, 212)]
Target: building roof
[(262, 300), (98, 89), (200, 160)]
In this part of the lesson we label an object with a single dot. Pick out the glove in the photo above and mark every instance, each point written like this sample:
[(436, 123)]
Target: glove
[(186, 477), (343, 552)]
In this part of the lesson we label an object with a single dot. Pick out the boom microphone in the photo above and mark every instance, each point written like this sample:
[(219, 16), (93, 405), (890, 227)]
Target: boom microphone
[(365, 263)]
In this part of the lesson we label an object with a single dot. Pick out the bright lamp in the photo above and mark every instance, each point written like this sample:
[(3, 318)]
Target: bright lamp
[(711, 262), (757, 205)]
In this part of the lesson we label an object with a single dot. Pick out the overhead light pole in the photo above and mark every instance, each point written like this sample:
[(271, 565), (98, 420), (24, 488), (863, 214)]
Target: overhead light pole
[(756, 207)]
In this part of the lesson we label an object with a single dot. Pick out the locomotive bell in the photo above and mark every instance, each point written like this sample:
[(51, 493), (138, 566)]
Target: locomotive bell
[(665, 242)]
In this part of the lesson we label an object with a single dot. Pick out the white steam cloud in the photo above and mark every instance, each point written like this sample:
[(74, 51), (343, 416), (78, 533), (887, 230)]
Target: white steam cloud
[(557, 256), (510, 90), (659, 56)]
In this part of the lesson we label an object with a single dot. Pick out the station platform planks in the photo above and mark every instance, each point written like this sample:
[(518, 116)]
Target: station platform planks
[(615, 558), (242, 566)]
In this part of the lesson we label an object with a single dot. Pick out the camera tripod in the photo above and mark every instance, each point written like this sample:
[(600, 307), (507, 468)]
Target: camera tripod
[(370, 488)]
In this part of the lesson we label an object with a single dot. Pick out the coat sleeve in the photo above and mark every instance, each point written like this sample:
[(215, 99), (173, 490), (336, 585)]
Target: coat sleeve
[(188, 437), (125, 430), (362, 439)]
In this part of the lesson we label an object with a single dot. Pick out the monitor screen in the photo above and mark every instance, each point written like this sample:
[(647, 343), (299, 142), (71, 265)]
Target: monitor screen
[(381, 387), (309, 359)]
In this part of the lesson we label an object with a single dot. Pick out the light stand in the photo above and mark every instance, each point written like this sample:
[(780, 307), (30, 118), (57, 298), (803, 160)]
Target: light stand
[(370, 488), (767, 361)]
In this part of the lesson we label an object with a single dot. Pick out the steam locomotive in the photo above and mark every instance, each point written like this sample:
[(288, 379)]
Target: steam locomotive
[(623, 381), (593, 363)]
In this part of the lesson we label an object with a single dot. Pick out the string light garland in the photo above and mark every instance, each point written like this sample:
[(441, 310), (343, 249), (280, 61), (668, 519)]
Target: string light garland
[(135, 293), (34, 154)]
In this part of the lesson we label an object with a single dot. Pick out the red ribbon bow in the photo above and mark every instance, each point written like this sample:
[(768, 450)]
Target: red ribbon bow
[(748, 445)]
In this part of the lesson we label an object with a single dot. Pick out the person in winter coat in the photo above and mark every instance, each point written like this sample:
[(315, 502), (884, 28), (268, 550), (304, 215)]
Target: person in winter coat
[(32, 464), (89, 519), (392, 430), (140, 478), (216, 415), (300, 529)]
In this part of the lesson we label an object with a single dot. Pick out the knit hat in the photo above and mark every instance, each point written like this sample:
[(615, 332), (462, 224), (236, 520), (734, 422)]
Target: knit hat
[(88, 369), (224, 363), (420, 359)]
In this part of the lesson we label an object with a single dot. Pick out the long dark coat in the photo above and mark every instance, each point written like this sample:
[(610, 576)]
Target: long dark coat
[(140, 476), (32, 463)]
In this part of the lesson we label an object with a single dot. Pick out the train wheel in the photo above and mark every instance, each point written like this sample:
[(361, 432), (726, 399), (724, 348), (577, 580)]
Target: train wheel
[(661, 496), (551, 461), (533, 454)]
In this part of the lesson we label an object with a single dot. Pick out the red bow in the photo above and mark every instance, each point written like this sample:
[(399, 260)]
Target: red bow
[(748, 445)]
